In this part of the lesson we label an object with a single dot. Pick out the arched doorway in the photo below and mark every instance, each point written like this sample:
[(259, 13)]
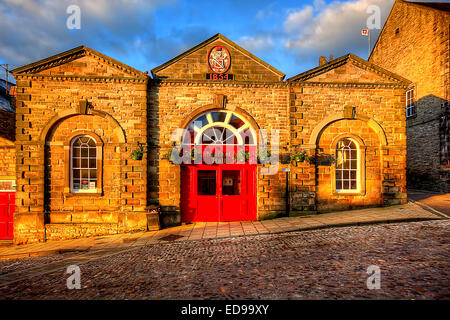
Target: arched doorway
[(221, 183)]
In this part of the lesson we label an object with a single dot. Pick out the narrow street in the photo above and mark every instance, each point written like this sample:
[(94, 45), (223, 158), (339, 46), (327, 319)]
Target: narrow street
[(414, 260), (436, 201)]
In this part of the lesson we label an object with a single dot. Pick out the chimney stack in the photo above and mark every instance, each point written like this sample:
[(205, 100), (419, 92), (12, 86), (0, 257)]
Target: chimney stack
[(331, 58), (322, 60)]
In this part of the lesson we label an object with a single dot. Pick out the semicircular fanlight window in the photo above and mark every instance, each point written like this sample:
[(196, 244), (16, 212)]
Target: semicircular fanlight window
[(219, 127)]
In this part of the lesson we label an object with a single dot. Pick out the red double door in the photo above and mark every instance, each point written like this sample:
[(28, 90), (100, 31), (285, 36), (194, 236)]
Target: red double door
[(7, 208), (224, 192)]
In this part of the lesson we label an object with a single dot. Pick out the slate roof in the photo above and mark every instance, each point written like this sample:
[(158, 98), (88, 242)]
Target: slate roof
[(5, 103)]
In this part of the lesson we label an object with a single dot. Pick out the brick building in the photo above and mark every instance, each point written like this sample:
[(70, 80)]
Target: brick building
[(415, 43), (81, 116)]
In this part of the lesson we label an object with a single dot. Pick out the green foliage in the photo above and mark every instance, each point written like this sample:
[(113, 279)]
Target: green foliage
[(264, 156), (138, 154), (299, 155)]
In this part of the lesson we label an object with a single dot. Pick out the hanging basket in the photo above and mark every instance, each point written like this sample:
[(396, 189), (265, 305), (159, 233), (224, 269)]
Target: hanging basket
[(299, 155), (138, 154)]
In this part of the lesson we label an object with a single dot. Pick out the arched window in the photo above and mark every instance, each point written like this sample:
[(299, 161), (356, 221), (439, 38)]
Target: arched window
[(219, 127), (83, 160), (347, 166)]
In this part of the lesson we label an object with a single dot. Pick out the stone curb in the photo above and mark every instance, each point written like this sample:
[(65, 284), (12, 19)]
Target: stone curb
[(6, 243), (28, 254), (428, 208), (426, 191), (40, 253)]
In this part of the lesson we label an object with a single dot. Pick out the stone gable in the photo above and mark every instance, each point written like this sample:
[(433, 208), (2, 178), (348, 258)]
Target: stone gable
[(193, 64), (348, 73), (352, 69), (85, 66), (80, 61)]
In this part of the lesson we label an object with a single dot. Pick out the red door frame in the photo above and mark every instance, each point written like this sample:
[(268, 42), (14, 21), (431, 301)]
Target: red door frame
[(218, 207), (7, 209)]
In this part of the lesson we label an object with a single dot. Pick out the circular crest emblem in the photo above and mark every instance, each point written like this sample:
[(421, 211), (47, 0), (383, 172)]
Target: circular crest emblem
[(219, 59)]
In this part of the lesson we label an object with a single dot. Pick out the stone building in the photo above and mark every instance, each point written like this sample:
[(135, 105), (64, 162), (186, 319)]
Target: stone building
[(7, 159), (81, 117), (415, 43)]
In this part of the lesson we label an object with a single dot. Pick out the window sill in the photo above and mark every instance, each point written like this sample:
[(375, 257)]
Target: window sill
[(83, 194), (356, 193)]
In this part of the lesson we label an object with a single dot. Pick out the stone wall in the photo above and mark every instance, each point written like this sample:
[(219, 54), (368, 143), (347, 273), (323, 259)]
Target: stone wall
[(48, 112), (319, 115), (370, 155), (79, 230), (173, 103), (7, 148), (67, 207), (7, 125), (298, 111), (414, 43), (124, 107)]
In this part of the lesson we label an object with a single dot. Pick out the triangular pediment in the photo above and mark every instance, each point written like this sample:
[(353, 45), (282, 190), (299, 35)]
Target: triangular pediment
[(80, 61), (349, 69), (193, 64)]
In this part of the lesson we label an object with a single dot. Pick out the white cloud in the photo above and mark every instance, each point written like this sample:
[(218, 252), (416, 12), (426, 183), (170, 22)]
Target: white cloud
[(258, 43), (298, 19), (334, 29), (32, 30)]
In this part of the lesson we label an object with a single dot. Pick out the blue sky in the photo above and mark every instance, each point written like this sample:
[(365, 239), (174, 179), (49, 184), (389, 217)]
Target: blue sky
[(290, 35)]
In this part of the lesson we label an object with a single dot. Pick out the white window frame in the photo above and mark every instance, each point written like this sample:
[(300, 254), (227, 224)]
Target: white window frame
[(410, 105), (200, 131), (72, 189), (358, 169)]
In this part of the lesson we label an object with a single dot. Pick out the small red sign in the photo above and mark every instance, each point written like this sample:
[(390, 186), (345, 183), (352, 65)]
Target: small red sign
[(365, 32), (219, 59), (219, 76)]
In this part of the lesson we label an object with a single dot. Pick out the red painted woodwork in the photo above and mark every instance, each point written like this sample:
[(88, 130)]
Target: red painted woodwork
[(7, 208), (224, 192)]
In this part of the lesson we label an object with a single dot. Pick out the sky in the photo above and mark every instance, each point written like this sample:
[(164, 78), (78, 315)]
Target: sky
[(289, 35)]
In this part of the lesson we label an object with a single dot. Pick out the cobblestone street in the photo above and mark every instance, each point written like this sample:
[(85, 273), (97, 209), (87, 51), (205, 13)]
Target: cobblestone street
[(331, 263)]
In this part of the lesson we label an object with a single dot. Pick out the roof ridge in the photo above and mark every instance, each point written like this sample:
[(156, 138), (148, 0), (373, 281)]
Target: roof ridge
[(341, 60), (319, 68)]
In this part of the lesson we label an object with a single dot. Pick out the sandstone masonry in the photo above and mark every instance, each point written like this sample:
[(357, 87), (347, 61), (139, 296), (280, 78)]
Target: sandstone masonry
[(415, 43), (82, 92)]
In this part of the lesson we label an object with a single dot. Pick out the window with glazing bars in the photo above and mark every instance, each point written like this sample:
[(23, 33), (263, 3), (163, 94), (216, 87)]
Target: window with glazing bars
[(346, 165), (410, 106), (83, 164)]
